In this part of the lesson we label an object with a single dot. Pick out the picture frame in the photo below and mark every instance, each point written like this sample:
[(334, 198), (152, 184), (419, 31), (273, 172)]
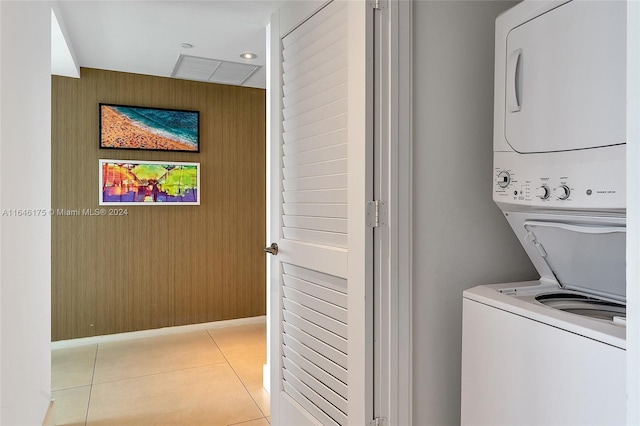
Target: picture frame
[(148, 183), (146, 128)]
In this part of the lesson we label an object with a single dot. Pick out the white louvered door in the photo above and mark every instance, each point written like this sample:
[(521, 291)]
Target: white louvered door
[(323, 307)]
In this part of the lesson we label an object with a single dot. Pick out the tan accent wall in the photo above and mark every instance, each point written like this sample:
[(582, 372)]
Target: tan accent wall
[(157, 266)]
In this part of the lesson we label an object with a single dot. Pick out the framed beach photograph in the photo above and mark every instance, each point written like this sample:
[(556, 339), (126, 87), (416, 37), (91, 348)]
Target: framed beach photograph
[(133, 127), (148, 183)]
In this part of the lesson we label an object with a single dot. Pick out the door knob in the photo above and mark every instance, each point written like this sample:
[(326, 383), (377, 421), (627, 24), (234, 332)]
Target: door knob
[(272, 249)]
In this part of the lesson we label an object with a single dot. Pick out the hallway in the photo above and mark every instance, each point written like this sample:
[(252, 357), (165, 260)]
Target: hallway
[(204, 377)]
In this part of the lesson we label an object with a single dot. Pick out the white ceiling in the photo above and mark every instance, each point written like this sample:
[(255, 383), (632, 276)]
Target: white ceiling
[(144, 36)]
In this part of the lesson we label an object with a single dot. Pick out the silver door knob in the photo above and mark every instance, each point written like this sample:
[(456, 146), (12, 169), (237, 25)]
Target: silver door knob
[(272, 249)]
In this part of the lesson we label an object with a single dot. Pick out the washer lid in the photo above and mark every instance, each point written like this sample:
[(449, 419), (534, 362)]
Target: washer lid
[(584, 257)]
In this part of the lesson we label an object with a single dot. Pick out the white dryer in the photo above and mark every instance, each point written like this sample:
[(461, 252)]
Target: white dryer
[(552, 351)]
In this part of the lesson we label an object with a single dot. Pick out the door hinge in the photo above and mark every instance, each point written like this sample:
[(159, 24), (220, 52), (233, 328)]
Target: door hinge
[(377, 4), (376, 214), (378, 421)]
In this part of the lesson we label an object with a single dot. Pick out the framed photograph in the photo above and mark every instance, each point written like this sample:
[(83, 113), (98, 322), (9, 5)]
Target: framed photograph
[(148, 183), (132, 127)]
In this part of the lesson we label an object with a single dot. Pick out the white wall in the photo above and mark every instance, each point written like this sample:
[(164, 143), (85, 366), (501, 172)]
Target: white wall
[(460, 237), (25, 183)]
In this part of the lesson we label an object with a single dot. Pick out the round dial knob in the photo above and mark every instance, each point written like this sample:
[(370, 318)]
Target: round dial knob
[(504, 179), (563, 192), (543, 192)]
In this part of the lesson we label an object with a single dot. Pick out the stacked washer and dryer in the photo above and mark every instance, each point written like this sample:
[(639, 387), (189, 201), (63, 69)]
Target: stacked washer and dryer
[(552, 351)]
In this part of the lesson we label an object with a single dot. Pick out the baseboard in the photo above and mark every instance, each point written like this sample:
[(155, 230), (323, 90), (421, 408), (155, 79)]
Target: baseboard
[(61, 344), (50, 418)]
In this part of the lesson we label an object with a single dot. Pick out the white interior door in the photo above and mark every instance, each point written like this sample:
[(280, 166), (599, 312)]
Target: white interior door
[(321, 278)]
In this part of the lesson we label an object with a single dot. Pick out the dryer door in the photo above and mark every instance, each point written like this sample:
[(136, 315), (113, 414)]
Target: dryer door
[(565, 78)]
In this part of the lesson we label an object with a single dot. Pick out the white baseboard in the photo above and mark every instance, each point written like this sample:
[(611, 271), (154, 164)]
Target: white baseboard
[(72, 343)]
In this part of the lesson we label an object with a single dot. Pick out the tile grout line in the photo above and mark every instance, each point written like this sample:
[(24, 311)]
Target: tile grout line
[(252, 420), (93, 374), (167, 371), (234, 372), (122, 379)]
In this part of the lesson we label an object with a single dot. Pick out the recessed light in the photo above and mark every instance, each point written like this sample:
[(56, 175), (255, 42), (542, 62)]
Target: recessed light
[(248, 55), (186, 45)]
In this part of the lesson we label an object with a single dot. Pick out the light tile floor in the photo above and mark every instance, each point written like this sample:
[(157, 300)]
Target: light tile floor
[(209, 377)]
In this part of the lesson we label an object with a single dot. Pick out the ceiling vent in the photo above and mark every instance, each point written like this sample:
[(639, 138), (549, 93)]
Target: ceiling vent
[(212, 70)]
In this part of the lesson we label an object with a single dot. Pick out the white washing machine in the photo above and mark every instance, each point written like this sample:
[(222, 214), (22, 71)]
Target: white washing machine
[(552, 351), (547, 352)]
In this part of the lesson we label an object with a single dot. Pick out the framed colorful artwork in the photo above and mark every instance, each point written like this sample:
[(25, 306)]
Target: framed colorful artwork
[(148, 183)]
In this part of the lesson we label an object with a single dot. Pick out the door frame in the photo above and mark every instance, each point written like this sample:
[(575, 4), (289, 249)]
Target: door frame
[(394, 181), (394, 186)]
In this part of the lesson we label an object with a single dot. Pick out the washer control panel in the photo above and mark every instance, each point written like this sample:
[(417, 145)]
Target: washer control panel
[(560, 180)]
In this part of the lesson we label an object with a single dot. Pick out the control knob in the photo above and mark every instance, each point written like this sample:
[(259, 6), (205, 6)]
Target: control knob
[(504, 179), (563, 192), (543, 192)]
